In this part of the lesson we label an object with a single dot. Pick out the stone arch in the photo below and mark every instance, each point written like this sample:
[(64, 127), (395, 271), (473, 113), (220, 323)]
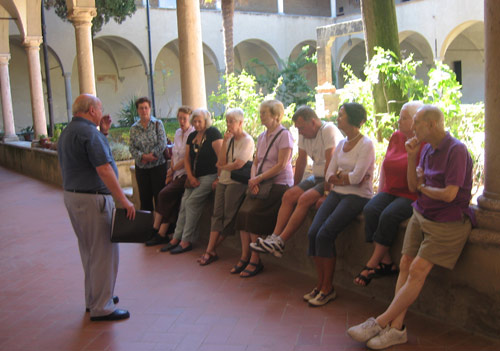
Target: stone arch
[(120, 73), (19, 16), (248, 49), (454, 33), (413, 42), (352, 52), (309, 70), (465, 55)]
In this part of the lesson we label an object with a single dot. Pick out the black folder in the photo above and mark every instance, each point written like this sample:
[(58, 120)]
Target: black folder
[(124, 230)]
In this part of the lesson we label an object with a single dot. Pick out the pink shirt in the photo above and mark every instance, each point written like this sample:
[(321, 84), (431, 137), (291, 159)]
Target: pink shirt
[(179, 149), (283, 141)]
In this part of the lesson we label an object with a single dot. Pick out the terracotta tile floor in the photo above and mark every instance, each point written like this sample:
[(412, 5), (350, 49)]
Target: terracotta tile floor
[(175, 304)]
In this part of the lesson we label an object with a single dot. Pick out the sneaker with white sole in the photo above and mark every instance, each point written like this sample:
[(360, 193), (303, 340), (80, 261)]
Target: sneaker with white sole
[(365, 331), (256, 247), (272, 244), (311, 295), (322, 299), (388, 337)]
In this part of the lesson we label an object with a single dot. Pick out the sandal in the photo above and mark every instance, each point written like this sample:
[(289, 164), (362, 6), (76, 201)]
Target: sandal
[(366, 279), (258, 268), (386, 269), (239, 268), (206, 261)]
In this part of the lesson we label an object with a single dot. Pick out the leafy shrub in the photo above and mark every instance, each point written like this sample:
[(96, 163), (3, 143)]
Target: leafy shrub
[(120, 151), (128, 114)]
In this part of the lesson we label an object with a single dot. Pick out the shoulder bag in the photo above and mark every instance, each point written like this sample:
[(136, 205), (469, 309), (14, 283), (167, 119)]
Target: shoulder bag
[(266, 185), (241, 175)]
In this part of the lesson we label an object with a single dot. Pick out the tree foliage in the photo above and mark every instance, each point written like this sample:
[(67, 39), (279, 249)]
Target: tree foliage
[(294, 88), (118, 10)]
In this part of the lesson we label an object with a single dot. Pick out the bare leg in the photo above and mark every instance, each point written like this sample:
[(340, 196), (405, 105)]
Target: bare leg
[(163, 229), (407, 293), (320, 271), (288, 202), (254, 256), (305, 201), (328, 264), (245, 248), (157, 221)]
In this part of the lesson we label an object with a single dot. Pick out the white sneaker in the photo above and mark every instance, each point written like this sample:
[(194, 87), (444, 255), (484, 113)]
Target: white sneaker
[(322, 299), (365, 331), (273, 244), (311, 295), (256, 247), (388, 337)]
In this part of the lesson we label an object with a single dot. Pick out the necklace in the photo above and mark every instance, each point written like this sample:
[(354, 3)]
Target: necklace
[(353, 139)]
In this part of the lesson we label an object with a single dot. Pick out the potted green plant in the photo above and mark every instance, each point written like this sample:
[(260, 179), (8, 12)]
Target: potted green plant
[(27, 133)]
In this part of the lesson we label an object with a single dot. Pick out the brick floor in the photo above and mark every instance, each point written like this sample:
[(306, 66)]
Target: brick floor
[(174, 303)]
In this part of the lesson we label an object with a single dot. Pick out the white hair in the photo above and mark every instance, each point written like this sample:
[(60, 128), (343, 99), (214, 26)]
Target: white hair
[(237, 113), (203, 113)]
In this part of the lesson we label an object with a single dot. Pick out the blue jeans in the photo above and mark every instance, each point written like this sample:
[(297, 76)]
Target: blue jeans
[(192, 204), (333, 216), (383, 215)]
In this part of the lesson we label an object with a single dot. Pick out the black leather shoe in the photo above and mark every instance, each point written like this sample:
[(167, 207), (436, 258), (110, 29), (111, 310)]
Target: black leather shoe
[(115, 316), (115, 301), (179, 249), (157, 239), (168, 247)]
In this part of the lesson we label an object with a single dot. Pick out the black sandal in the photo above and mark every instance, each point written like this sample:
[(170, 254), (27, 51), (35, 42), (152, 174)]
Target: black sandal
[(366, 279), (206, 261), (386, 269), (238, 269), (258, 268)]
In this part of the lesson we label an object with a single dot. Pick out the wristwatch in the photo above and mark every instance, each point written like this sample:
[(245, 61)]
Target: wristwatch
[(421, 186)]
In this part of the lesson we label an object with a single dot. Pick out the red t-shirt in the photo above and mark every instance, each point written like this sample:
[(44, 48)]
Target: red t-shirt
[(395, 167)]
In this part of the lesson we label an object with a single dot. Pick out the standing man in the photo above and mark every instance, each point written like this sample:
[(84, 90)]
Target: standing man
[(90, 178), (316, 140), (438, 229)]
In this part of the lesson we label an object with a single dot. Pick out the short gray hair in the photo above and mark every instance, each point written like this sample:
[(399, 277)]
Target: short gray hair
[(83, 102), (237, 113), (203, 113)]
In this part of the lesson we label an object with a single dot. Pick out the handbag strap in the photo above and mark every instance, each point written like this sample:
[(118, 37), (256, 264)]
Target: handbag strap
[(231, 146), (267, 151)]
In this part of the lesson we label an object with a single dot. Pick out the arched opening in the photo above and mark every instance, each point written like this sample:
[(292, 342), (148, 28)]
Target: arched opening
[(309, 70), (352, 53), (414, 43), (465, 56)]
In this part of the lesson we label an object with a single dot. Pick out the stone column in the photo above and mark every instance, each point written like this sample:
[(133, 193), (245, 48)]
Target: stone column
[(281, 8), (32, 45), (7, 112), (324, 66), (489, 202), (191, 54), (333, 7), (81, 18), (69, 94)]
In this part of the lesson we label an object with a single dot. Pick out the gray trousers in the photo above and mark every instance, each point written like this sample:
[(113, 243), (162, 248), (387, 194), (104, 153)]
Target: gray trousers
[(91, 216), (192, 204)]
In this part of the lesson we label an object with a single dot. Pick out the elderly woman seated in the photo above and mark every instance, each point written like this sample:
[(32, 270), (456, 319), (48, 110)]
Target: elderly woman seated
[(237, 149), (271, 171), (392, 205), (202, 147)]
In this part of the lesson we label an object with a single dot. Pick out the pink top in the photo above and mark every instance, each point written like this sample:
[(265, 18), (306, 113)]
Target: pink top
[(283, 141), (395, 167)]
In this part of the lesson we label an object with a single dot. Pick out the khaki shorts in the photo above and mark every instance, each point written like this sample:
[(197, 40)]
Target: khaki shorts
[(439, 243)]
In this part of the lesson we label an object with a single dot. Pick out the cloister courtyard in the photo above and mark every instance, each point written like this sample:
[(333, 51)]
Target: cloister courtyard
[(175, 304)]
